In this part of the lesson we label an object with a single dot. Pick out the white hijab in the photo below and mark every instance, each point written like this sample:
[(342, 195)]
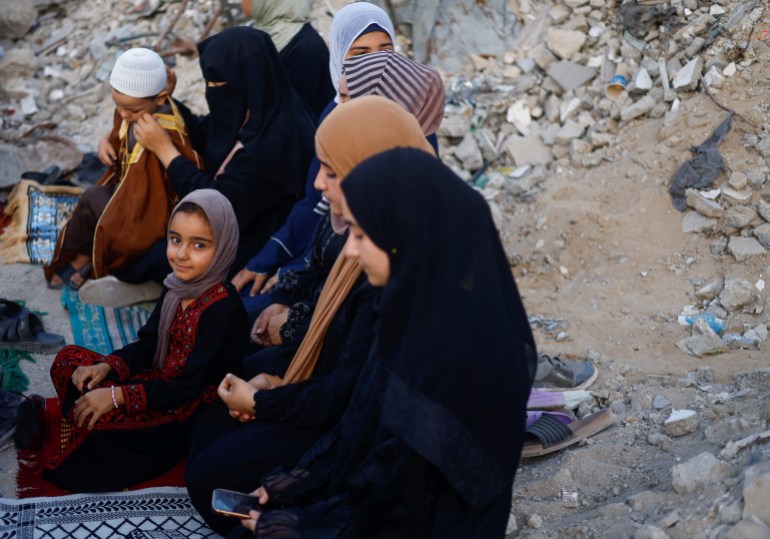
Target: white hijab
[(347, 25)]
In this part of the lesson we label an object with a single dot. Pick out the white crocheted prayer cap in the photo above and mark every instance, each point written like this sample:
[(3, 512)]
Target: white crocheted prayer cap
[(139, 73)]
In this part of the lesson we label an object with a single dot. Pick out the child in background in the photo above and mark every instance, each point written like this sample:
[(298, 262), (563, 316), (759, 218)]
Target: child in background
[(126, 212), (131, 411)]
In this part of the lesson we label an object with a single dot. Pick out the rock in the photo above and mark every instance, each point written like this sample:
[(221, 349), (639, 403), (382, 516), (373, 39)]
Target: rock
[(542, 56), (702, 470), (17, 62), (660, 402), (729, 69), (681, 422), (763, 209), (454, 126), (703, 205), (693, 222), (659, 439), (571, 130), (16, 18), (15, 161), (736, 197), (756, 486), (564, 43), (468, 153), (739, 217), (570, 75), (756, 177), (762, 233), (745, 248), (640, 108), (763, 146), (669, 519), (528, 150), (648, 531), (535, 521), (730, 514), (738, 293), (711, 288), (701, 345), (747, 530), (642, 80), (738, 180), (687, 78)]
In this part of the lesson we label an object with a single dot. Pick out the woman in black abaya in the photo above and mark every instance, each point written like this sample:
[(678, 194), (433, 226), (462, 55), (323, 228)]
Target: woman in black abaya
[(256, 141), (430, 442)]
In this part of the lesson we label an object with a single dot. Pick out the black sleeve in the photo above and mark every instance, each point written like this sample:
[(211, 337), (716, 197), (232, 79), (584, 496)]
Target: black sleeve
[(319, 402), (221, 341), (251, 194), (197, 126)]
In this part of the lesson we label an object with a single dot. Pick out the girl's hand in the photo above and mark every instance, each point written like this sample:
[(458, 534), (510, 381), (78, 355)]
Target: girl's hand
[(251, 523), (238, 395), (86, 378), (260, 331), (105, 151), (155, 139), (94, 405)]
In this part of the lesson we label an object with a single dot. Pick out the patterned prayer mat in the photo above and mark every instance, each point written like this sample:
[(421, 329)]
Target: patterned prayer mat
[(37, 214), (104, 329), (29, 480), (150, 513)]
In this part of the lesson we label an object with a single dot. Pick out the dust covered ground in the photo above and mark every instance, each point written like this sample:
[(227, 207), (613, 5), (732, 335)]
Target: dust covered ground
[(604, 267)]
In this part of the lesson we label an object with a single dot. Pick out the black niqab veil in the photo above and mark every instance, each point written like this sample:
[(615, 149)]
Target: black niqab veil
[(454, 361), (256, 106)]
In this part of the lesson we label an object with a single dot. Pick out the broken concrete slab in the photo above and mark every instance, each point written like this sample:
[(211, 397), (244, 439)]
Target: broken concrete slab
[(570, 75)]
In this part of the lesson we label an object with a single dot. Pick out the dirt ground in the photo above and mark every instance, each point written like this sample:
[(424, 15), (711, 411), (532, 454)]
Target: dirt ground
[(602, 250)]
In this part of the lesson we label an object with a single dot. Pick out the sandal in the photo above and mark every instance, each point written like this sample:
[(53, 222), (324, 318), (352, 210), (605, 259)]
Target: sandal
[(552, 431), (9, 309), (49, 176), (554, 400), (25, 332), (84, 272), (66, 273)]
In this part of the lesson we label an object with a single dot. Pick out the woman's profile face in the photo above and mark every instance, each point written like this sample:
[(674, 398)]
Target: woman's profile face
[(373, 260), (370, 42)]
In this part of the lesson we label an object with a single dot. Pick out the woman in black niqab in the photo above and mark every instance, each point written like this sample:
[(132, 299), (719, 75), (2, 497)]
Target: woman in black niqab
[(256, 141), (431, 439)]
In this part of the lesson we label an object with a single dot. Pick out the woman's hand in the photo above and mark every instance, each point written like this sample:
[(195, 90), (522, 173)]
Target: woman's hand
[(264, 332), (251, 523), (155, 139), (238, 395), (105, 151), (90, 376), (93, 404), (266, 381)]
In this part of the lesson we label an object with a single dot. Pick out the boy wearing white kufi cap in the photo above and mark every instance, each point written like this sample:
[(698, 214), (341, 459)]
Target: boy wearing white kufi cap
[(126, 212)]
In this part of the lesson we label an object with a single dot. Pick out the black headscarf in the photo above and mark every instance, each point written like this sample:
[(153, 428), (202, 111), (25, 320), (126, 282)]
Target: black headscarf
[(455, 358), (278, 131)]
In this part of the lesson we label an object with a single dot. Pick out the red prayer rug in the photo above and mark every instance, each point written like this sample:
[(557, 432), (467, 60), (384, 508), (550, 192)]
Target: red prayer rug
[(30, 482)]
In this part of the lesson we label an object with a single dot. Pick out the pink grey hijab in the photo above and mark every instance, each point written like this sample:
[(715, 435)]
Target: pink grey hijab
[(224, 227), (416, 87)]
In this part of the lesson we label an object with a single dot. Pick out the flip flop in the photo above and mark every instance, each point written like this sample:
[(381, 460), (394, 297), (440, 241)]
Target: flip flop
[(84, 272), (551, 431), (65, 273), (26, 333)]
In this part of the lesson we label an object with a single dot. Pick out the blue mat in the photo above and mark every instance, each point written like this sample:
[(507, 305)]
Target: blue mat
[(104, 329)]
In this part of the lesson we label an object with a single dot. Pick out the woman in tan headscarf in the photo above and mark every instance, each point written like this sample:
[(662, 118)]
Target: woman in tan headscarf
[(282, 422), (303, 53)]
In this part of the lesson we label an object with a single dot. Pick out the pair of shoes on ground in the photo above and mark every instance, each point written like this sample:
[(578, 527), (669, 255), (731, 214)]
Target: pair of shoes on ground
[(21, 329), (109, 291), (559, 387), (23, 417), (67, 272)]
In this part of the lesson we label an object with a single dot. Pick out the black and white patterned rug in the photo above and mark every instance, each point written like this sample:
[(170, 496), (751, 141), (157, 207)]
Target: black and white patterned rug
[(155, 513)]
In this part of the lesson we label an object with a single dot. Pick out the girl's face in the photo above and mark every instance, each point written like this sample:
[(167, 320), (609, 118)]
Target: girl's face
[(374, 260), (370, 42), (190, 246), (328, 183)]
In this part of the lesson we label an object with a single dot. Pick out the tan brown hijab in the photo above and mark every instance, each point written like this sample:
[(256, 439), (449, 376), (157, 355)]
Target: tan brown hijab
[(350, 134)]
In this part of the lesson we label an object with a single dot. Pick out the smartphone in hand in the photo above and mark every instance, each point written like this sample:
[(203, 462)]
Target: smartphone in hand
[(234, 504)]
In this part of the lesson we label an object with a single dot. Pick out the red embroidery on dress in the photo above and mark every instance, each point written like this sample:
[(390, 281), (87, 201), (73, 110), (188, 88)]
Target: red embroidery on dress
[(134, 414)]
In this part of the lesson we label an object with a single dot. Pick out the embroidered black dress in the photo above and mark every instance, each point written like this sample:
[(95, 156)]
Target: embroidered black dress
[(150, 433)]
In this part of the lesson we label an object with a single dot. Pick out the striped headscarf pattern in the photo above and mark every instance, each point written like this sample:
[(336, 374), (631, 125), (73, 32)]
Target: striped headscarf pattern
[(416, 87)]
